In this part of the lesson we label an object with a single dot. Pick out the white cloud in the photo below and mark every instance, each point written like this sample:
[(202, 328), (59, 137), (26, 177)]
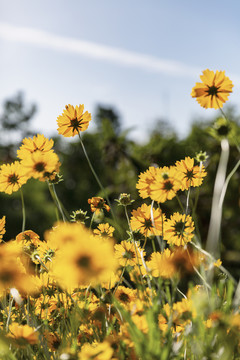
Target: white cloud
[(116, 55), (93, 50)]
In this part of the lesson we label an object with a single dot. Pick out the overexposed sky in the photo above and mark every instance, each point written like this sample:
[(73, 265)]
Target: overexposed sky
[(141, 57)]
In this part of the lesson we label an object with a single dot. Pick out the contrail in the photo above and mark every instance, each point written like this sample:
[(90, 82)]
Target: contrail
[(93, 50), (116, 55)]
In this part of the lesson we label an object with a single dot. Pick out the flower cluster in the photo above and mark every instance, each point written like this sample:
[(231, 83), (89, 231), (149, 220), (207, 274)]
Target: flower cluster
[(77, 293), (36, 159)]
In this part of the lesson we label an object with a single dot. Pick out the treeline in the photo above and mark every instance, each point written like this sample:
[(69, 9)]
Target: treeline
[(118, 161)]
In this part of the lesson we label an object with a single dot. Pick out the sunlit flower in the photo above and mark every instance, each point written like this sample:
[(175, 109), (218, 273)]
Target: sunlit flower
[(160, 264), (83, 258), (12, 177), (178, 230), (40, 165), (53, 340), (73, 120), (214, 89), (185, 260), (125, 295), (142, 220), (104, 230), (97, 204), (190, 174), (29, 146), (23, 334), (165, 185), (28, 237), (2, 227), (145, 180), (63, 234), (97, 351), (125, 253), (217, 263)]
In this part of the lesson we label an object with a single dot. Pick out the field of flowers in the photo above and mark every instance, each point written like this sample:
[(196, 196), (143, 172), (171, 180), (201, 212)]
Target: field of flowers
[(156, 293)]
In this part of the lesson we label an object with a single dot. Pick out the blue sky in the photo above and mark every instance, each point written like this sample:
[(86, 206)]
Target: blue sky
[(141, 57)]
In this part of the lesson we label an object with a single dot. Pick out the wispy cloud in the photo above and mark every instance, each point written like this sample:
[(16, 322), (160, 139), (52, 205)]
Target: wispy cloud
[(93, 50), (116, 55)]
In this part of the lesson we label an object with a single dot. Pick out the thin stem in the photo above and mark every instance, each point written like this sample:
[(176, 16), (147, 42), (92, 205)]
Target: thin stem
[(56, 200), (91, 222), (96, 177), (153, 246), (187, 202), (9, 313), (134, 243), (153, 224), (23, 211), (180, 203), (214, 260)]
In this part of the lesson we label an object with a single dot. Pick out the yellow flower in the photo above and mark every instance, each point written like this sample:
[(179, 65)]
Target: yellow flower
[(40, 165), (23, 334), (188, 174), (160, 264), (145, 180), (104, 230), (97, 203), (178, 230), (165, 185), (125, 253), (38, 142), (217, 263), (214, 89), (28, 236), (62, 234), (125, 295), (96, 351), (2, 227), (142, 220), (83, 259), (73, 120), (12, 177)]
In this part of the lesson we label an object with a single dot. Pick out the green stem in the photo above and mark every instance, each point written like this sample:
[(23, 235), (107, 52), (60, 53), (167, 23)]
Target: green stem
[(134, 243), (56, 200), (153, 246), (96, 177), (9, 313), (23, 211), (180, 203), (92, 220)]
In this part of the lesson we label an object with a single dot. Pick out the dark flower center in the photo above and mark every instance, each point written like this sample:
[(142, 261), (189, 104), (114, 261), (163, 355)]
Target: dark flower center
[(223, 130), (75, 124), (124, 297), (148, 223), (83, 261), (212, 90), (189, 174), (168, 185), (165, 176), (13, 179), (128, 254), (39, 167), (179, 227)]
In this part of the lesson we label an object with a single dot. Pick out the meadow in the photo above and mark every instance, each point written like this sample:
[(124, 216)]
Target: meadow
[(139, 276)]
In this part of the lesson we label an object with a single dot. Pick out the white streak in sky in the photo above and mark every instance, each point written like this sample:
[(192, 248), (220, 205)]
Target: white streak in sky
[(93, 50)]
